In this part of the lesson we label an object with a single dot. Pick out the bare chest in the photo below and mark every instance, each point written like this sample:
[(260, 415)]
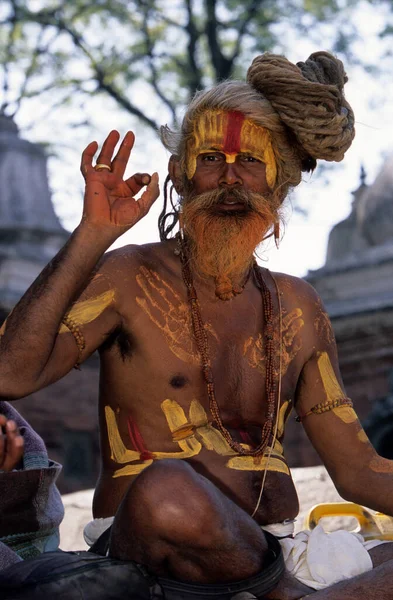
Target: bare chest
[(170, 340)]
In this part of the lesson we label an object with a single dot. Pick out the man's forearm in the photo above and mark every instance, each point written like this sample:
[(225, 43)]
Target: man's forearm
[(31, 329)]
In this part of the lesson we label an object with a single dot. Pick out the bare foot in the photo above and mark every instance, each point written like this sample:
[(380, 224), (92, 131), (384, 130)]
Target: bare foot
[(11, 444)]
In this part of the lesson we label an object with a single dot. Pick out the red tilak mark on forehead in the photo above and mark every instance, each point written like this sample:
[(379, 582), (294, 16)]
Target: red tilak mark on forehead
[(232, 136)]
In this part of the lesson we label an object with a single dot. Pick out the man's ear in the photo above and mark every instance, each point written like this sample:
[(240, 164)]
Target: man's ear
[(176, 174)]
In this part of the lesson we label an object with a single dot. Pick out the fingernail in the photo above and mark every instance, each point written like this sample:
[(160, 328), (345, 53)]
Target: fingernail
[(146, 179)]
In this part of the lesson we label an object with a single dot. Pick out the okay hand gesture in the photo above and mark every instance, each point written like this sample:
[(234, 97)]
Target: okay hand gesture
[(109, 200)]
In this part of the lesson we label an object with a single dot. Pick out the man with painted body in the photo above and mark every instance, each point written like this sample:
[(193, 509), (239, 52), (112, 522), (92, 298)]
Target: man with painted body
[(179, 462)]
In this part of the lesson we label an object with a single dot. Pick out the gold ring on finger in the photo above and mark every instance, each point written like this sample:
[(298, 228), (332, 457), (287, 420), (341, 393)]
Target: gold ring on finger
[(101, 166)]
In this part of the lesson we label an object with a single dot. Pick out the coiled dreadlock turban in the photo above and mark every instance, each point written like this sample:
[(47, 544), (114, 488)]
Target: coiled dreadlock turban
[(301, 106)]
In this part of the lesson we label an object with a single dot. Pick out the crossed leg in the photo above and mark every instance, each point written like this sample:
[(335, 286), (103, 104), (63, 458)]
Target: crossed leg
[(179, 525)]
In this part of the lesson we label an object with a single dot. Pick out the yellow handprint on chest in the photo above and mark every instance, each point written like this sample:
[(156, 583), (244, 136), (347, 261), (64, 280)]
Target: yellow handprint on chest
[(292, 324), (170, 313)]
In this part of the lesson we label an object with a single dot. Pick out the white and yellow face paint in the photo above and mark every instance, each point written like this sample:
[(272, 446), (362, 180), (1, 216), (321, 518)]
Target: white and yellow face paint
[(231, 134)]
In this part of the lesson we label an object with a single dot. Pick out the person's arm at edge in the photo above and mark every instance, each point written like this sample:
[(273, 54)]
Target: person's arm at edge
[(358, 472), (29, 338)]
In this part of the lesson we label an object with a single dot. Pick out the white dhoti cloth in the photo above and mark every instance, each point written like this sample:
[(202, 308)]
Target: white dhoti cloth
[(314, 557), (95, 528), (319, 559)]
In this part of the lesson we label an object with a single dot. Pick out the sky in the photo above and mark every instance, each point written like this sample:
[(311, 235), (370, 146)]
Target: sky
[(326, 195)]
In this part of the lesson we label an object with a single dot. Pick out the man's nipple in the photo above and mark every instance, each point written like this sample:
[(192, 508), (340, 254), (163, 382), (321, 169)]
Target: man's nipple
[(178, 381)]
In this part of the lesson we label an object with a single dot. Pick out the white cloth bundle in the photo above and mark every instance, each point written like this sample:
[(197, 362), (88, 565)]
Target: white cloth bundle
[(319, 559)]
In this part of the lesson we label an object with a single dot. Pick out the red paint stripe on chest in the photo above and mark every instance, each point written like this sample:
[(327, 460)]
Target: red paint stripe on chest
[(137, 440), (233, 132)]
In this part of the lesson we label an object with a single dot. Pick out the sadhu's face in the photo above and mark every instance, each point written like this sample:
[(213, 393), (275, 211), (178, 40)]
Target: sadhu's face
[(227, 203), (230, 152)]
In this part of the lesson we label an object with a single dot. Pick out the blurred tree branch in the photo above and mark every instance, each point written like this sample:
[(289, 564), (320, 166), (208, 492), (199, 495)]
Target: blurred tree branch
[(173, 48)]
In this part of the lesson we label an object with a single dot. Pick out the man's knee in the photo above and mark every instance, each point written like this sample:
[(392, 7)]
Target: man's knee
[(170, 496), (173, 516)]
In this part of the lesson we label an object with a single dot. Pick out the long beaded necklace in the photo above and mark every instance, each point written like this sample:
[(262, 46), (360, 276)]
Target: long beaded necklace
[(203, 350)]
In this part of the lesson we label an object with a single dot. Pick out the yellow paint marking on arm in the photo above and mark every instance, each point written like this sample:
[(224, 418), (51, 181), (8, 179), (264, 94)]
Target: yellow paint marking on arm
[(362, 437), (378, 464), (87, 310), (332, 387), (281, 418), (278, 448), (346, 414), (4, 325), (119, 453)]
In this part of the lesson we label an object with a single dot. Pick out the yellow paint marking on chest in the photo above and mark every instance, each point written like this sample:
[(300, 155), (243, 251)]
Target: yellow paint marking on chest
[(130, 470), (119, 453), (291, 343), (331, 386), (170, 313), (211, 438), (276, 462), (190, 435), (87, 310), (249, 463)]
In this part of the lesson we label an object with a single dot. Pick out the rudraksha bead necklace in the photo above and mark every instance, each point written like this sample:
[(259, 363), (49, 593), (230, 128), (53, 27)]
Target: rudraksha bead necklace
[(203, 350)]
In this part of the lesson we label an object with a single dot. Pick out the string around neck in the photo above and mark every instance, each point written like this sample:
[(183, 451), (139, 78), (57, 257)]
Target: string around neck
[(202, 344)]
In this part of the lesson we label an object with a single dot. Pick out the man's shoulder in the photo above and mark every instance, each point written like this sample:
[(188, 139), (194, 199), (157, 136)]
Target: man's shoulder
[(291, 282), (296, 287), (137, 254)]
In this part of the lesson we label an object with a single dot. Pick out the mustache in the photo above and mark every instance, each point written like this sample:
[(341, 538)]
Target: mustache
[(251, 200)]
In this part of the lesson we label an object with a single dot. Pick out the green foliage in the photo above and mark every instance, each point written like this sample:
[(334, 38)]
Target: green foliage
[(173, 47)]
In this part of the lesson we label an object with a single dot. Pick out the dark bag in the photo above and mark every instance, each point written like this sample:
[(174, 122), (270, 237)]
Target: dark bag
[(74, 576), (92, 576)]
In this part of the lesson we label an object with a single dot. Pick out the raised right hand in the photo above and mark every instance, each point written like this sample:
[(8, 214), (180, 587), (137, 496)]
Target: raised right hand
[(109, 200)]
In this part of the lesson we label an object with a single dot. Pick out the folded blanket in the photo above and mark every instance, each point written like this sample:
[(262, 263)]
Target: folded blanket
[(31, 508)]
